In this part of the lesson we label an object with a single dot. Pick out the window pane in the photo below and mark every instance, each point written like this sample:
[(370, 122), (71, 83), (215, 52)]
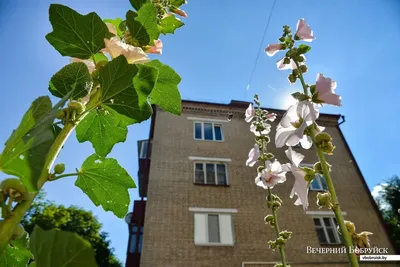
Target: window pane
[(218, 132), (132, 247), (210, 173), (208, 133), (327, 222), (213, 229), (321, 235), (199, 173), (317, 222), (143, 149), (140, 243), (134, 229), (331, 234), (323, 182), (197, 130), (221, 174), (314, 184)]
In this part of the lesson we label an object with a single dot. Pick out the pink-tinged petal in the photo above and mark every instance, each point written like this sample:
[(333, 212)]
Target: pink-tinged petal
[(111, 28), (134, 55), (178, 11), (276, 167), (325, 88), (300, 187), (271, 116), (253, 156), (89, 63), (289, 117), (250, 113), (294, 156), (286, 136), (304, 31), (156, 48), (272, 49), (292, 65)]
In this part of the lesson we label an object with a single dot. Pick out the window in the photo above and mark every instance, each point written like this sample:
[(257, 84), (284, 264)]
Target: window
[(319, 182), (210, 173), (213, 229), (136, 240), (208, 131), (326, 228), (143, 147)]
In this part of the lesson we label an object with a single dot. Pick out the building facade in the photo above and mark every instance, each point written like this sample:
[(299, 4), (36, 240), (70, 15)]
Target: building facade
[(204, 209)]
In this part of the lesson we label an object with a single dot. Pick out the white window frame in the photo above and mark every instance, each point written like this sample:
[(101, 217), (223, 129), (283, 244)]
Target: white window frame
[(317, 177), (321, 218), (213, 131), (222, 213), (142, 154), (215, 163)]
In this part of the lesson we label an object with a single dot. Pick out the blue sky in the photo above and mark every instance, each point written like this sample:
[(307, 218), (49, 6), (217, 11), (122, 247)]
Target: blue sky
[(357, 45)]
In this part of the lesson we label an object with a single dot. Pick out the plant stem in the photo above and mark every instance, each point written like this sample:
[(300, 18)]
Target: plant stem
[(65, 175), (277, 231), (335, 207), (6, 229)]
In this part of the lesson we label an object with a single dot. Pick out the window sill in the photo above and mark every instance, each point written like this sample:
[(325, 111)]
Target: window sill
[(216, 185), (218, 141), (214, 245)]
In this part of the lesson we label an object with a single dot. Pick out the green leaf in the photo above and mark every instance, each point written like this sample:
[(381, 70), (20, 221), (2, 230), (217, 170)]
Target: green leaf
[(137, 4), (170, 24), (106, 183), (300, 96), (76, 35), (302, 49), (17, 253), (165, 93), (33, 264), (119, 25), (103, 127), (58, 248), (125, 88), (26, 149), (143, 25), (177, 3), (73, 77), (99, 58)]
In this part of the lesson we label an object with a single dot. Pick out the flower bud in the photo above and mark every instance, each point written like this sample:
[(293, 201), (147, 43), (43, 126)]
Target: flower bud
[(280, 241), (60, 114), (78, 107), (303, 68), (351, 228), (260, 169), (318, 168), (323, 199), (59, 168), (312, 89), (295, 72), (285, 234), (292, 78), (323, 137), (272, 244), (286, 60), (310, 174), (270, 156), (276, 204), (282, 39), (362, 239), (13, 186)]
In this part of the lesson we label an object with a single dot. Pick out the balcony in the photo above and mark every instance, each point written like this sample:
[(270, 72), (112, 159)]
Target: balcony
[(144, 155)]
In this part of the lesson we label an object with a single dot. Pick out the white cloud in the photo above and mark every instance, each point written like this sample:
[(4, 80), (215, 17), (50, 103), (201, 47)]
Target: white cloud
[(377, 193)]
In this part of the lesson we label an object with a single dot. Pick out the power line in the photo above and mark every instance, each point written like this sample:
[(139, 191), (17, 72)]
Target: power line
[(260, 47)]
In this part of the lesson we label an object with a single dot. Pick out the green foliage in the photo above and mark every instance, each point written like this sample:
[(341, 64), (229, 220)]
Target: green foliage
[(17, 253), (103, 127), (121, 94), (73, 77), (302, 49), (137, 4), (26, 149), (177, 3), (166, 93), (390, 195), (143, 25), (58, 248), (106, 183), (299, 96), (48, 215), (119, 25), (170, 24), (76, 35)]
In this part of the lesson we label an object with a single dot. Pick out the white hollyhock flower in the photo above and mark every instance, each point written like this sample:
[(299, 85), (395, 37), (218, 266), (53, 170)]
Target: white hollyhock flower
[(267, 129), (304, 31), (292, 65), (300, 187), (250, 113), (89, 63), (115, 47), (271, 175), (298, 117), (253, 156)]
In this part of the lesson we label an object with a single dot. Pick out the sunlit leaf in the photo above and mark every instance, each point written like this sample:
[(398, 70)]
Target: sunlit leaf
[(17, 253), (170, 24)]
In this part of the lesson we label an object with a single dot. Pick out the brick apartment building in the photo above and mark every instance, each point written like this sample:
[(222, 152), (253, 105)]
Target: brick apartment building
[(203, 208)]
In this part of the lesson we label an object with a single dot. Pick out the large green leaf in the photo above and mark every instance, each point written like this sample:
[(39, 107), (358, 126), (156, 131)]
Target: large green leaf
[(106, 183), (76, 35), (170, 24), (17, 253), (165, 93), (177, 3), (125, 88), (58, 248), (137, 4), (103, 127), (73, 77), (143, 24), (26, 149)]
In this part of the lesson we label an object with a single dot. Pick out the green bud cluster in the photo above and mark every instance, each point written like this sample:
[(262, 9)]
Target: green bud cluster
[(285, 234), (310, 174), (269, 219), (318, 167), (274, 202), (324, 141), (324, 200), (14, 188)]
